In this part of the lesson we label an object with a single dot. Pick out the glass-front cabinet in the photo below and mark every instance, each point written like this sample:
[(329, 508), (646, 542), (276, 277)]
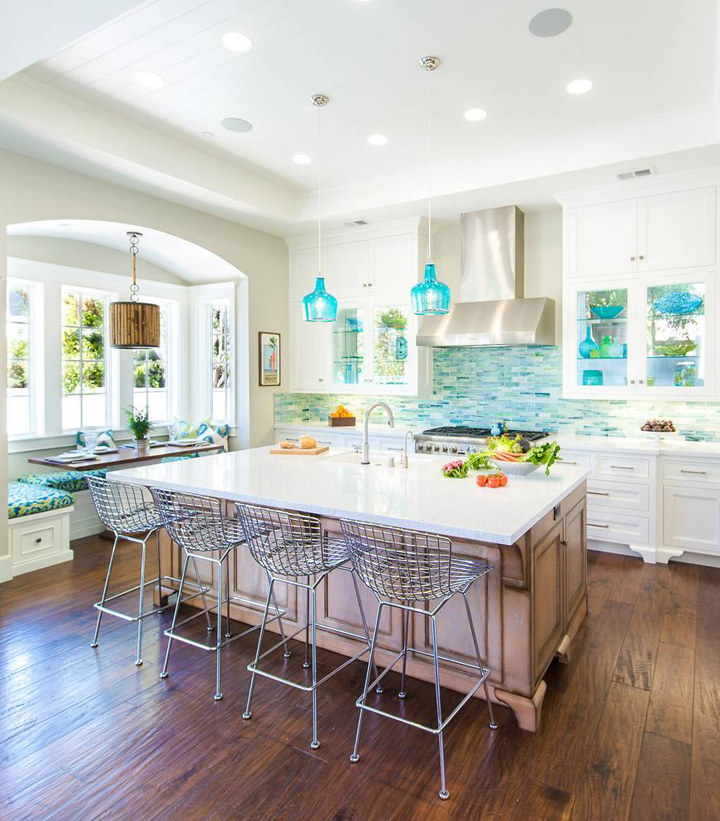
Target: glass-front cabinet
[(348, 347), (651, 335)]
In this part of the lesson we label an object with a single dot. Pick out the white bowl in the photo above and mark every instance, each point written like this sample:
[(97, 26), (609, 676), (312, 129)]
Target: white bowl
[(514, 468)]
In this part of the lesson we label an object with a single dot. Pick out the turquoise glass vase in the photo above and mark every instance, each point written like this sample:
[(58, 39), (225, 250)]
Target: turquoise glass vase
[(430, 296), (320, 306), (588, 344)]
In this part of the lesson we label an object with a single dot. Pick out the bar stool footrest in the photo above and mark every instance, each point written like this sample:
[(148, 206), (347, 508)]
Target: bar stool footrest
[(105, 609)]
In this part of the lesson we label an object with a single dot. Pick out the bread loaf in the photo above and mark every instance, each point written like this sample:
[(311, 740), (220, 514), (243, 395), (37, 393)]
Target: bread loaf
[(307, 442), (287, 445)]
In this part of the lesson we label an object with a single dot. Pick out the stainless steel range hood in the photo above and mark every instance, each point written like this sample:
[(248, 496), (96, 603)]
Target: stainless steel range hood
[(491, 310)]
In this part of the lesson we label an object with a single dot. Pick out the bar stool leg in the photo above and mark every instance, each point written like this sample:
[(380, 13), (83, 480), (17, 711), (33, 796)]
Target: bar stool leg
[(228, 634), (402, 692), (159, 566), (218, 652), (493, 723), (306, 663), (202, 595), (444, 794), (314, 744), (138, 658), (248, 714), (355, 756), (94, 642), (379, 688), (286, 654), (164, 673)]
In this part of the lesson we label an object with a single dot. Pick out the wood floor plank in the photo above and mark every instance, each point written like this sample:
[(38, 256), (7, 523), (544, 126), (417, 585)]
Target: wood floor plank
[(662, 786), (680, 620), (542, 802), (606, 788), (671, 698)]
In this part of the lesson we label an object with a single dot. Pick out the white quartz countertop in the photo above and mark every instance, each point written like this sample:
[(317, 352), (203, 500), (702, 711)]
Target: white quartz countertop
[(419, 498)]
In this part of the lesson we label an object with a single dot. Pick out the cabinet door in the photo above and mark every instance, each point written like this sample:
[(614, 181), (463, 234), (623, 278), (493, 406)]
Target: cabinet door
[(679, 326), (548, 596), (349, 269), (394, 265), (307, 352), (691, 519), (602, 239), (677, 230), (303, 272), (575, 544), (348, 352), (393, 346)]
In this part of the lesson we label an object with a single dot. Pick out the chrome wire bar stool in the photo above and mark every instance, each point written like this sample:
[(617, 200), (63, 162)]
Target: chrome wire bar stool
[(403, 567), (198, 525), (129, 512), (293, 546)]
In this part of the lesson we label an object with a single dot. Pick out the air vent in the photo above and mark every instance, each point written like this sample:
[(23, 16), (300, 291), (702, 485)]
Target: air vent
[(633, 175), (357, 223)]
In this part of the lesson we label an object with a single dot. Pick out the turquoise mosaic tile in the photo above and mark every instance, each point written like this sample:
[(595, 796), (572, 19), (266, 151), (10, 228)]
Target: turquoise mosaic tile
[(523, 386)]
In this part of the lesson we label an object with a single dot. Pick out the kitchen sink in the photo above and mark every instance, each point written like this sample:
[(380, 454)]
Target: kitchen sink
[(380, 458)]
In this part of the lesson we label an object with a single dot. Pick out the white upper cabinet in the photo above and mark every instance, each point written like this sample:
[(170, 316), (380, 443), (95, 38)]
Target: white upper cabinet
[(307, 352), (676, 230), (348, 268), (602, 239), (394, 265), (662, 232), (303, 271)]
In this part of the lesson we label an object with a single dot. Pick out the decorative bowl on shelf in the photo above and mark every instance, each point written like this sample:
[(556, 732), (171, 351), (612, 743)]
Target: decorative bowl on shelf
[(592, 378), (680, 303), (606, 311), (515, 468), (677, 349)]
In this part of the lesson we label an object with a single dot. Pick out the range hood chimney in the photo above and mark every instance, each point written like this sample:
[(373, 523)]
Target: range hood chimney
[(491, 310)]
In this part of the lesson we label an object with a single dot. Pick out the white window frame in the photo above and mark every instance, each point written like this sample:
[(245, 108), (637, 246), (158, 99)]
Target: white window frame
[(35, 358), (170, 308)]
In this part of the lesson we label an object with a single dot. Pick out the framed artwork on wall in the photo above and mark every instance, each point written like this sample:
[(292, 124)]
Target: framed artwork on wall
[(269, 348)]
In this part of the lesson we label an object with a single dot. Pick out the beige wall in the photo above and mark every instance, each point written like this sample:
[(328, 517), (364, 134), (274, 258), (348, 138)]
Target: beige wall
[(543, 257), (31, 190)]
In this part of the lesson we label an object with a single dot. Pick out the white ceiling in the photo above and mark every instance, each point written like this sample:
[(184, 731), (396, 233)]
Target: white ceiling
[(653, 64), (186, 260)]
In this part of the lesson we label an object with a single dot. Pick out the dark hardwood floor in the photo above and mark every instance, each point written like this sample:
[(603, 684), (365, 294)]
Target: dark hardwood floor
[(631, 726)]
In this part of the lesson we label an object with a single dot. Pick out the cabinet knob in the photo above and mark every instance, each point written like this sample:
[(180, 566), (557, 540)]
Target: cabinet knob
[(641, 257), (320, 380), (632, 381), (632, 259)]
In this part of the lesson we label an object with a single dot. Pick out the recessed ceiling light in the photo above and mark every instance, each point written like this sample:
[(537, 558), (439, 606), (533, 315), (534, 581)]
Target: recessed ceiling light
[(149, 79), (579, 87), (550, 23), (302, 159), (377, 139), (236, 41), (474, 115), (207, 134), (236, 124)]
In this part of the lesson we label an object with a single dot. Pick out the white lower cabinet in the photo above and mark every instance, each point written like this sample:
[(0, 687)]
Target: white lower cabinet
[(691, 518)]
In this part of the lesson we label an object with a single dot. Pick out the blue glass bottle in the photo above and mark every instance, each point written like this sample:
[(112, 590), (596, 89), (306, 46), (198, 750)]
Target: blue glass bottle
[(320, 306), (588, 344), (430, 296)]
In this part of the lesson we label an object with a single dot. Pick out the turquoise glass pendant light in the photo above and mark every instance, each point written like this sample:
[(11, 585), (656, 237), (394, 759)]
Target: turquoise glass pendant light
[(430, 296), (320, 306)]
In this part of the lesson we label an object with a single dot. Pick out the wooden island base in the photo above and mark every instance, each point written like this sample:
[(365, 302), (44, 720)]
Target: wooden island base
[(526, 611)]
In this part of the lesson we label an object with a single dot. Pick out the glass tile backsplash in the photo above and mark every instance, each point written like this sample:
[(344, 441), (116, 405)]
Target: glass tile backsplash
[(523, 386)]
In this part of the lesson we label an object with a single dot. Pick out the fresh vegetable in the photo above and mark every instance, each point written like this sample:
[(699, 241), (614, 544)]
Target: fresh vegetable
[(479, 461), (503, 480), (493, 481), (456, 470), (546, 455), (507, 444), (481, 479), (497, 479)]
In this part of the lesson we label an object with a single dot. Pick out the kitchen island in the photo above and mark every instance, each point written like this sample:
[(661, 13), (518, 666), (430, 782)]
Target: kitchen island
[(532, 532)]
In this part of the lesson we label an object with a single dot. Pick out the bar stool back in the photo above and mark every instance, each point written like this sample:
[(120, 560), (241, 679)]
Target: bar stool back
[(291, 546), (403, 567), (198, 525), (129, 512)]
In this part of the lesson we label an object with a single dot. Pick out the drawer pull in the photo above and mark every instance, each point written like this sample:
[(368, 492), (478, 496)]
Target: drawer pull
[(568, 462), (622, 467), (389, 448), (598, 493), (592, 524), (698, 472)]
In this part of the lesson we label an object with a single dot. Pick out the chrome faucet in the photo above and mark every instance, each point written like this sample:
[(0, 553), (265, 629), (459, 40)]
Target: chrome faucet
[(366, 433), (405, 460)]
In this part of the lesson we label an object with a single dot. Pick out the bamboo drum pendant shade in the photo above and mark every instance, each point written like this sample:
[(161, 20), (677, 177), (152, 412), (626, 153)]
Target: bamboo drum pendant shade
[(134, 324)]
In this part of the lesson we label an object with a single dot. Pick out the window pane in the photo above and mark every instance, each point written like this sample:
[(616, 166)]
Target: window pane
[(93, 378), (156, 375), (70, 378), (17, 340), (71, 344), (158, 406), (140, 379), (17, 374), (71, 412), (93, 312), (94, 410), (219, 409), (391, 346), (93, 345), (218, 376), (18, 302), (18, 415)]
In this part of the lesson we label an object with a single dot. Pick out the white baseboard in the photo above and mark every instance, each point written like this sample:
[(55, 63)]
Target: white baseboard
[(6, 569), (611, 547), (43, 562)]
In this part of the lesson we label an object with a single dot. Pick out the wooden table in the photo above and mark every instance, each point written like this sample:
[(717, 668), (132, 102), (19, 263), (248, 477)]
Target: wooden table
[(128, 456)]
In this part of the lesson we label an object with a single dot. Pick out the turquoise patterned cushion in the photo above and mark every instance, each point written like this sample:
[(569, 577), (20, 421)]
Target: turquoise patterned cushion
[(214, 436), (71, 481), (105, 439), (168, 459), (182, 429), (24, 499)]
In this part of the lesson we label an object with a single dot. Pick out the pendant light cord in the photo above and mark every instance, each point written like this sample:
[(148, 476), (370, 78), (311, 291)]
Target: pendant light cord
[(319, 190), (134, 242), (428, 112)]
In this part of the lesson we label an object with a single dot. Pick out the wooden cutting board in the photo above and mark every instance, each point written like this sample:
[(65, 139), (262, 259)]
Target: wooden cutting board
[(296, 451)]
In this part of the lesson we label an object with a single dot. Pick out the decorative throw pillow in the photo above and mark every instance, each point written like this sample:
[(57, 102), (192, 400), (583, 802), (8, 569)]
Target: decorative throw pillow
[(215, 436), (181, 429), (105, 439)]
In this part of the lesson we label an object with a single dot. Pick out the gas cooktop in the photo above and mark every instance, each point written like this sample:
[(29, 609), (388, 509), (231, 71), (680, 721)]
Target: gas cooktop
[(463, 438)]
